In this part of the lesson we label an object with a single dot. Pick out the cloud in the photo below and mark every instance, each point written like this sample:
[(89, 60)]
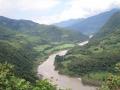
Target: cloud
[(4, 5), (52, 11), (85, 8), (28, 4), (39, 5), (47, 19)]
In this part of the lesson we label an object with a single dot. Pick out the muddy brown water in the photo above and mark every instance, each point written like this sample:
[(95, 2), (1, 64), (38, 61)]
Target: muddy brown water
[(47, 70)]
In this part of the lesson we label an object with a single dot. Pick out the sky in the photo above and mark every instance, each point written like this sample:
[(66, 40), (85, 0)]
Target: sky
[(54, 11)]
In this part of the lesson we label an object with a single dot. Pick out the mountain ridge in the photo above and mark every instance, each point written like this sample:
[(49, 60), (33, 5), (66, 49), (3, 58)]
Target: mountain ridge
[(91, 24)]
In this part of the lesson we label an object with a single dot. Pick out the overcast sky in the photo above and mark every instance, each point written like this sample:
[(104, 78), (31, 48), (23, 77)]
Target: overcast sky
[(52, 11)]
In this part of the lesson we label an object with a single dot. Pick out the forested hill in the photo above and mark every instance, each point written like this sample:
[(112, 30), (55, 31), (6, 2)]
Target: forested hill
[(46, 32), (96, 59), (22, 43), (110, 28)]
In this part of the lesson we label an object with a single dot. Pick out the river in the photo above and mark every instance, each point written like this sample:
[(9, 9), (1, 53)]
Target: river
[(47, 71)]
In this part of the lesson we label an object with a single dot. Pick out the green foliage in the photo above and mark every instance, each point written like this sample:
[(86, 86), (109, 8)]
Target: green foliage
[(100, 55), (41, 33), (22, 59), (95, 78), (43, 85), (8, 81), (117, 68), (113, 81), (58, 60), (23, 41)]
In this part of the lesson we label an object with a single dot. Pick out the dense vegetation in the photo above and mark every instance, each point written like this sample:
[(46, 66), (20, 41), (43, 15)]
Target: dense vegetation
[(98, 58), (21, 55), (41, 33), (24, 44), (113, 81), (9, 81)]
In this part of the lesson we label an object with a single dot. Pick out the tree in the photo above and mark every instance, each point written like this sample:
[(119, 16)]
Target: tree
[(44, 85), (8, 81), (113, 81)]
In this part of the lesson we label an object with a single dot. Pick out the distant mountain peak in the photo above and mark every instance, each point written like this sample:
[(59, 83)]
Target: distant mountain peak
[(88, 25)]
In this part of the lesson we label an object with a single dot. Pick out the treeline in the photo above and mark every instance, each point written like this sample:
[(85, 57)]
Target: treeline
[(22, 59), (104, 61), (9, 81), (88, 62), (113, 80)]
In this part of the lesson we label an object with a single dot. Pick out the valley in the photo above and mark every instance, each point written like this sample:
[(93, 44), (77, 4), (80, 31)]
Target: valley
[(96, 60), (47, 71), (62, 81), (82, 54)]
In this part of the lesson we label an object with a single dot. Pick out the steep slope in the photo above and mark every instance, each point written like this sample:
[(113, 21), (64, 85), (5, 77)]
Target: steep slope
[(110, 28), (96, 59), (21, 55), (91, 24)]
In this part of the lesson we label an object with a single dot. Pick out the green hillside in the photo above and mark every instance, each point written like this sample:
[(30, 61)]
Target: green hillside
[(9, 81), (48, 33), (24, 44), (98, 58)]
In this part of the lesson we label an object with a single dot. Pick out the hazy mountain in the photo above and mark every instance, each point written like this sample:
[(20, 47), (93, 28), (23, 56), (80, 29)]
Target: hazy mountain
[(68, 23), (91, 24), (110, 28)]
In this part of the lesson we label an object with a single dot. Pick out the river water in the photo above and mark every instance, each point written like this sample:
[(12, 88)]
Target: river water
[(47, 71)]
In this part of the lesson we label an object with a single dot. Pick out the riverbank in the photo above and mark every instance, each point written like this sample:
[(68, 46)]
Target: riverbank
[(46, 69), (45, 51), (85, 79)]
